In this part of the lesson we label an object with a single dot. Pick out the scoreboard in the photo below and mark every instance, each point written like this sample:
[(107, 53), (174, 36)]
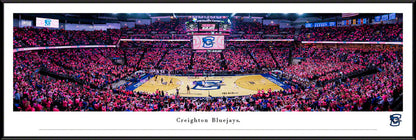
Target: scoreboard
[(190, 27), (208, 26), (208, 35), (225, 27)]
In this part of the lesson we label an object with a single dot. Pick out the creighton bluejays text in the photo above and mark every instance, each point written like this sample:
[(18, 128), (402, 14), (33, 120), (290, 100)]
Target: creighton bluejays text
[(212, 120)]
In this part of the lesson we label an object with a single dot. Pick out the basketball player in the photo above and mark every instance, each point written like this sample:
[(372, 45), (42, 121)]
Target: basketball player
[(188, 90), (171, 82), (161, 80)]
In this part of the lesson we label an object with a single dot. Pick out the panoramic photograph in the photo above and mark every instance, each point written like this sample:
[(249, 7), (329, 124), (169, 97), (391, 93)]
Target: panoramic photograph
[(208, 62)]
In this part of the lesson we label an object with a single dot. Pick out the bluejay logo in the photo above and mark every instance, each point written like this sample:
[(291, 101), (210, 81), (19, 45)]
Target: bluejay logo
[(207, 85), (47, 22), (208, 42), (395, 119)]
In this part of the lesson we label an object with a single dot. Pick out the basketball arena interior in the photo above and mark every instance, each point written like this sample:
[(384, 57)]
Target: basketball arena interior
[(286, 62)]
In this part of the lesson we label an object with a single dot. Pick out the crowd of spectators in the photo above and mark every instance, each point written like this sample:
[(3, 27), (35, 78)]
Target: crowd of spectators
[(91, 65), (239, 25), (281, 54), (133, 56), (210, 62), (176, 25), (77, 79), (376, 32), (323, 70), (263, 58), (177, 59), (238, 60), (152, 57), (37, 92), (255, 27), (175, 29), (36, 37), (271, 29), (350, 96), (325, 64)]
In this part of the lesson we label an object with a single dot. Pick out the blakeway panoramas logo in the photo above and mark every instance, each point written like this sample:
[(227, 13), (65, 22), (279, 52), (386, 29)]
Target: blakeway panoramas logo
[(208, 42), (207, 85), (395, 119)]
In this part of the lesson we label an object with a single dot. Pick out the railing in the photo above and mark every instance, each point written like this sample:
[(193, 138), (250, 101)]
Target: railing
[(155, 39), (104, 46), (62, 47), (354, 42), (260, 40)]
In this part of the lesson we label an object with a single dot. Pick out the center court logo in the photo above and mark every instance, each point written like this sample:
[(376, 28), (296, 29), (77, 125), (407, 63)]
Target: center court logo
[(208, 42), (207, 85)]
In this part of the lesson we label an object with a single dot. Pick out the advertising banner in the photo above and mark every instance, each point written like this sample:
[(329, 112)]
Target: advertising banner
[(47, 22)]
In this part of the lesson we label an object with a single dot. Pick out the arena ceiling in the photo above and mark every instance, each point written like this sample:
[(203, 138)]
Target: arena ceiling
[(116, 17)]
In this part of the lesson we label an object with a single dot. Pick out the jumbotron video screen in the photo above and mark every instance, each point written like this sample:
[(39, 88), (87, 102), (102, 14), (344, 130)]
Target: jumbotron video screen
[(208, 26), (208, 42)]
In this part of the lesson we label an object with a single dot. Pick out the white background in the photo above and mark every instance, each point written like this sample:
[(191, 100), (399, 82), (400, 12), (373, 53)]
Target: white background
[(278, 123)]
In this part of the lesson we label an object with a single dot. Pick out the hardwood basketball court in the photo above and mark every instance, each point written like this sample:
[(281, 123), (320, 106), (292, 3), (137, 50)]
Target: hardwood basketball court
[(215, 86)]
